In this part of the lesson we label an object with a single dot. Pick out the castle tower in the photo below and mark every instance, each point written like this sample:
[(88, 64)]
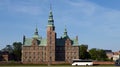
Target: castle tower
[(36, 35), (65, 35), (51, 37)]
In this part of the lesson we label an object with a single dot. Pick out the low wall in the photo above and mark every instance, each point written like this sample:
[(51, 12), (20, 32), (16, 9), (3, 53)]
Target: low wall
[(57, 62), (94, 62), (9, 62), (103, 62)]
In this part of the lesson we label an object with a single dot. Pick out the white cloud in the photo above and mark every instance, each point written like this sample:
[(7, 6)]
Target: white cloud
[(82, 17), (95, 25), (95, 18)]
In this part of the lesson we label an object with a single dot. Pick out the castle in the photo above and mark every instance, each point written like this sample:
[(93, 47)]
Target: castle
[(51, 49)]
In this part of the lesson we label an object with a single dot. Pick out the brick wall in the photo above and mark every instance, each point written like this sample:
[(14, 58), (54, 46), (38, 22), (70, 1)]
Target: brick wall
[(102, 62)]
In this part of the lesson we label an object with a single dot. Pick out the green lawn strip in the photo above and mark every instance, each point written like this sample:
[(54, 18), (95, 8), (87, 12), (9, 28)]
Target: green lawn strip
[(45, 65), (19, 64), (23, 65), (57, 66)]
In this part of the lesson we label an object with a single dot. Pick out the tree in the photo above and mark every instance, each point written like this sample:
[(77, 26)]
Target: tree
[(102, 55), (17, 47), (93, 53), (83, 52), (8, 49), (0, 55), (98, 54)]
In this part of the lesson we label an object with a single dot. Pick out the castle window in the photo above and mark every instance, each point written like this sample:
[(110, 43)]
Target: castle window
[(73, 48), (29, 57), (33, 53), (34, 57), (69, 48), (60, 48), (44, 48), (68, 57), (56, 48), (73, 53), (28, 48), (39, 48), (29, 53), (25, 53), (66, 48), (38, 53), (68, 53), (25, 57), (63, 48), (44, 54), (33, 48)]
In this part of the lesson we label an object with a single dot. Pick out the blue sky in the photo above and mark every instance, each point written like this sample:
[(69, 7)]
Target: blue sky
[(96, 22)]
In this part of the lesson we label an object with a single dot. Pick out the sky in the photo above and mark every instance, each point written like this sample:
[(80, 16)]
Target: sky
[(95, 22)]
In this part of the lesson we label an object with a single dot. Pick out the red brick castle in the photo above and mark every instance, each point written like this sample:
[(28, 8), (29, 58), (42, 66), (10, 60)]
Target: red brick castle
[(37, 50)]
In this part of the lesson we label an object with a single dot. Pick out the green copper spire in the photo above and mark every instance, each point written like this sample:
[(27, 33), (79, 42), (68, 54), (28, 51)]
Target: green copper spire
[(50, 19), (36, 32), (65, 32), (36, 35), (65, 35)]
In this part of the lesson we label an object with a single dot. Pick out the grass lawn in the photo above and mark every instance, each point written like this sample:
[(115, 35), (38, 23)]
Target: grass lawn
[(57, 66), (45, 65), (51, 66)]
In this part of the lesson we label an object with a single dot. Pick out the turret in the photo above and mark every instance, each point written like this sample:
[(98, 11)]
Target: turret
[(50, 22), (65, 35), (36, 35), (23, 39)]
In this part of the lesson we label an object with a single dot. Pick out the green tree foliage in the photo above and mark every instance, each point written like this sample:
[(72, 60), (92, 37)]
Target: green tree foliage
[(98, 54), (93, 53), (17, 47), (0, 56), (8, 49), (83, 52)]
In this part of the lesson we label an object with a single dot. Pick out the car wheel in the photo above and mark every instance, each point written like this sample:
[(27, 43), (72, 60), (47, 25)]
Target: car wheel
[(76, 65)]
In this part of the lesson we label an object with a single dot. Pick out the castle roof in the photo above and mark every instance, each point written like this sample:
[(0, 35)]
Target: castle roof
[(28, 42), (43, 42)]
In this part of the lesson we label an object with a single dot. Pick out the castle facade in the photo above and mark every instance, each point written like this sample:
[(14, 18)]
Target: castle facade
[(51, 49)]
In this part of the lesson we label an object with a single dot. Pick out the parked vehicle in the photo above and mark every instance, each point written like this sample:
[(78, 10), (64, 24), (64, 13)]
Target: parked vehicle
[(117, 62), (76, 62)]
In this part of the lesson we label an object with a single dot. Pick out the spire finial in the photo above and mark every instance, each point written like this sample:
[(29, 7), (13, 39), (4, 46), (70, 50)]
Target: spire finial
[(36, 30), (65, 35), (50, 5), (36, 35), (65, 31), (50, 19)]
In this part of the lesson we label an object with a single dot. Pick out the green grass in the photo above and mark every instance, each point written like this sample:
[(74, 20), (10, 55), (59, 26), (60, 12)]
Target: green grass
[(45, 65), (57, 66), (20, 64), (39, 65)]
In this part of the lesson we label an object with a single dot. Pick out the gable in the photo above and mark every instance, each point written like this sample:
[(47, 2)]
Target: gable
[(28, 42)]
